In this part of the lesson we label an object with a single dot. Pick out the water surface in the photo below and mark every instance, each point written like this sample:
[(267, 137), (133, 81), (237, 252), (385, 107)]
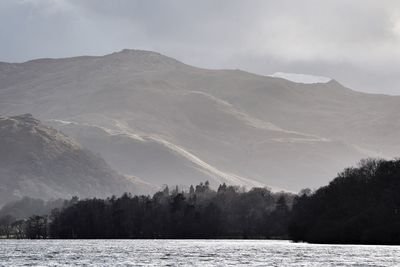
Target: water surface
[(191, 253)]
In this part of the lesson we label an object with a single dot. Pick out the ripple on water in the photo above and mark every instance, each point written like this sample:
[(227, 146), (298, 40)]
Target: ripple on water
[(191, 253)]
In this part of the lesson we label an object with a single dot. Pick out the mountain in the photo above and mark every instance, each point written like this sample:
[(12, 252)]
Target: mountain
[(190, 123), (26, 207), (40, 162), (155, 159)]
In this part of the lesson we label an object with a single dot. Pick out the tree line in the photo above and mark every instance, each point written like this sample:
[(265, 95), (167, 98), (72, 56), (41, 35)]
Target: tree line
[(200, 212), (360, 206)]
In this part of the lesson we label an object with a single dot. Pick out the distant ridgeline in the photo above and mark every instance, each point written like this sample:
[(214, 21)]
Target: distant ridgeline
[(360, 206)]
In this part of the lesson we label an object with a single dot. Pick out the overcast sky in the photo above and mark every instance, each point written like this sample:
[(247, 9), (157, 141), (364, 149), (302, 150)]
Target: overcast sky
[(356, 42)]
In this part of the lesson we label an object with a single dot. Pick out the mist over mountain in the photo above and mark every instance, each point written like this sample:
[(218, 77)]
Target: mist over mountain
[(165, 122), (40, 162), (159, 162)]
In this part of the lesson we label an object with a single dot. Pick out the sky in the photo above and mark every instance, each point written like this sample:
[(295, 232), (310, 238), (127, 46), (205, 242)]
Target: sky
[(356, 42)]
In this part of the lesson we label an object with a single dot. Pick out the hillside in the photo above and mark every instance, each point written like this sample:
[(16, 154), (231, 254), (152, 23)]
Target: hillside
[(236, 126), (155, 159), (40, 162)]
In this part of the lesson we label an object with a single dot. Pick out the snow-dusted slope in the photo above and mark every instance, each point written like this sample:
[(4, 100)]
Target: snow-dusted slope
[(301, 78), (150, 157), (40, 162), (252, 129)]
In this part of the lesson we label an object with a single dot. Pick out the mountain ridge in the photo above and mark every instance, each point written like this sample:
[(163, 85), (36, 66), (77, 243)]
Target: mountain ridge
[(227, 118), (40, 162)]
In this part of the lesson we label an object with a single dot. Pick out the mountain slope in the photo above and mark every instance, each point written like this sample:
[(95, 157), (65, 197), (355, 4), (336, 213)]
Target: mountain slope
[(40, 162), (149, 157), (264, 130)]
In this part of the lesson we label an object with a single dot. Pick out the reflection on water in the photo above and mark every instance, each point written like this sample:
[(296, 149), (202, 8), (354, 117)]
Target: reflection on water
[(191, 253)]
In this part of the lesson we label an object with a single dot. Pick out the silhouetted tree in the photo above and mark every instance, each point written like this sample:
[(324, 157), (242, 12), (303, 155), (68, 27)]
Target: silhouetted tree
[(36, 227), (199, 213), (360, 206), (191, 190), (6, 225)]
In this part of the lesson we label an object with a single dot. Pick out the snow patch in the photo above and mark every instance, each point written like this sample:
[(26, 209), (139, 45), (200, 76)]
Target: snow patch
[(260, 124), (122, 128), (301, 78)]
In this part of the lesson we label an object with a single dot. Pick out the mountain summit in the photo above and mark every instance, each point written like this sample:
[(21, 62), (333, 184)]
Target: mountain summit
[(156, 118)]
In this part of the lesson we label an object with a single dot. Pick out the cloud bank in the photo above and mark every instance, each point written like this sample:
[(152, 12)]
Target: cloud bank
[(354, 41)]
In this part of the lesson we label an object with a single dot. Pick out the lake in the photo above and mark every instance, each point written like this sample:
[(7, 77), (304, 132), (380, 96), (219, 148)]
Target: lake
[(191, 253)]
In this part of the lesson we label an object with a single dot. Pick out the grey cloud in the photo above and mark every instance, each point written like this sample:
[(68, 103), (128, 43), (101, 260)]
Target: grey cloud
[(355, 42)]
